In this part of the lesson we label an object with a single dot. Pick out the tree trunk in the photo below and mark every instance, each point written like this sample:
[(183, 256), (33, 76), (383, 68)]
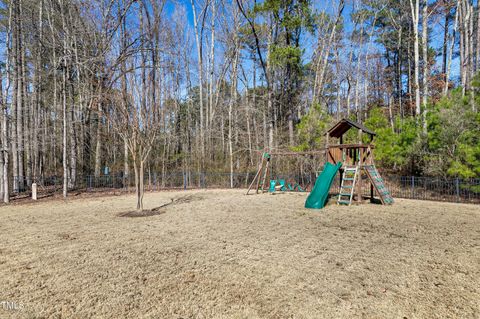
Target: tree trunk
[(249, 130), (477, 58), (124, 102), (270, 107), (64, 105), (141, 189), (73, 142), (471, 54), (98, 146), (425, 64), (450, 51), (357, 78), (4, 187), (4, 110), (198, 42), (65, 126), (26, 120), (36, 106), (233, 100), (410, 86), (211, 69), (446, 27), (415, 9), (254, 101), (462, 48), (399, 74), (367, 68), (50, 14), (137, 184), (21, 100), (390, 112), (126, 170), (291, 137), (17, 127)]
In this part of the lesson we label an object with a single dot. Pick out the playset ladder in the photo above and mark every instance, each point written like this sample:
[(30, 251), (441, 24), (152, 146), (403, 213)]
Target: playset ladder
[(348, 185), (379, 185)]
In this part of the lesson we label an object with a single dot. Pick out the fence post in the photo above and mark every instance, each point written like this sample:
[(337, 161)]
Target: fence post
[(413, 186), (34, 191), (457, 189), (184, 181)]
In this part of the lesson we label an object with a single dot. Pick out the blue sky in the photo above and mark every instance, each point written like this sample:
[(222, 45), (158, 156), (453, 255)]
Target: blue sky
[(436, 36), (435, 25)]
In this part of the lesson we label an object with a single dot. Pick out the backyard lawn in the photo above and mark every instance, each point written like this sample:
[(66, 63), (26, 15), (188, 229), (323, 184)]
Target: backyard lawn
[(222, 254)]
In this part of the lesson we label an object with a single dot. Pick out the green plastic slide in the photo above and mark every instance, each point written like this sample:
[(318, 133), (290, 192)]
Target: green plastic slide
[(318, 197)]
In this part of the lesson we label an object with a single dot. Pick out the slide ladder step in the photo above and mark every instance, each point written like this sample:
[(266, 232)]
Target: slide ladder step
[(346, 191)]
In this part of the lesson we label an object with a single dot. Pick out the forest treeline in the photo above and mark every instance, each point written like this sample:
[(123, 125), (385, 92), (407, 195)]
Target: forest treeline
[(203, 85)]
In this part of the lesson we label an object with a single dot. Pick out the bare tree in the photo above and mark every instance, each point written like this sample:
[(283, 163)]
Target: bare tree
[(133, 116), (135, 123)]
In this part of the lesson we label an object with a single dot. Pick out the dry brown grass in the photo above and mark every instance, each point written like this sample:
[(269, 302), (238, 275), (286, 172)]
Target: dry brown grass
[(226, 255)]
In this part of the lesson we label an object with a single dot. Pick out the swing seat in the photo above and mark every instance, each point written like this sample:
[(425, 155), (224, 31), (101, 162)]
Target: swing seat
[(299, 188), (273, 183), (295, 187)]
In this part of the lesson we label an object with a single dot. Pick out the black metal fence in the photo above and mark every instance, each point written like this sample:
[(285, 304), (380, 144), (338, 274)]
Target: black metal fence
[(119, 182), (428, 188), (411, 187)]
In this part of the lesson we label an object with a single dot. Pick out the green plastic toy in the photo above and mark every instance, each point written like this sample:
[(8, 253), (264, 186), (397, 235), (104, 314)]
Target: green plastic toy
[(273, 183)]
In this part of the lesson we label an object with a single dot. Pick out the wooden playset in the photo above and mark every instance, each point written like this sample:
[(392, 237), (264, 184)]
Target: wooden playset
[(355, 162)]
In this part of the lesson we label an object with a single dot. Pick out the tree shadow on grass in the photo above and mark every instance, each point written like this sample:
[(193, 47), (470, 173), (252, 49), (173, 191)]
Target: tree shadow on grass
[(162, 208)]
